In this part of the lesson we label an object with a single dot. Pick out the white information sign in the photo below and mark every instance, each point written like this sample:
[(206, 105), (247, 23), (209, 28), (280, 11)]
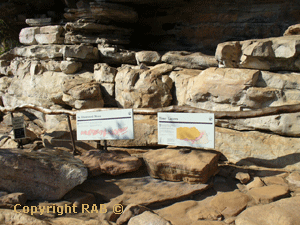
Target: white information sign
[(18, 127), (105, 125), (187, 129)]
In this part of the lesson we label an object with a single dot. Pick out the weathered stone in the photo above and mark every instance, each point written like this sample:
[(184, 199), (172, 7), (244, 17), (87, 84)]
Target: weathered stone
[(79, 198), (141, 191), (144, 88), (77, 221), (108, 93), (292, 30), (284, 211), (80, 52), (256, 183), (244, 178), (55, 29), (114, 55), (52, 172), (274, 180), (112, 163), (219, 86), (148, 57), (104, 73), (70, 67), (27, 35), (37, 90), (85, 91), (39, 22), (10, 200), (193, 167), (249, 148), (38, 51), (273, 54), (51, 38), (8, 216), (190, 60), (230, 204), (268, 194), (130, 211), (294, 179), (202, 222), (148, 217)]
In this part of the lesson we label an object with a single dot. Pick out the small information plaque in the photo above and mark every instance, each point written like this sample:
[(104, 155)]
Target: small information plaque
[(18, 127), (187, 129), (105, 125)]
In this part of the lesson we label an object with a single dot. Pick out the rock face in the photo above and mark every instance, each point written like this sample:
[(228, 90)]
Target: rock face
[(11, 217), (281, 212), (112, 163), (195, 166), (266, 54), (53, 173)]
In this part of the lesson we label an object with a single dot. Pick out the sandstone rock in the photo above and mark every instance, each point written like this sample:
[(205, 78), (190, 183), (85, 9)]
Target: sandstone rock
[(104, 73), (70, 67), (230, 204), (256, 183), (148, 217), (292, 30), (189, 60), (208, 223), (38, 22), (8, 216), (116, 56), (193, 167), (284, 211), (273, 54), (144, 191), (268, 194), (46, 39), (27, 35), (181, 80), (113, 163), (219, 86), (249, 148), (38, 51), (148, 57), (274, 180), (244, 178), (129, 212), (75, 221), (10, 200), (108, 93), (143, 89), (54, 173), (81, 52), (78, 198), (36, 90), (294, 179)]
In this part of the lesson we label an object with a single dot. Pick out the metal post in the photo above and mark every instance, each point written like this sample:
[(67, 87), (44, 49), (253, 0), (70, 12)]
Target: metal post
[(71, 133)]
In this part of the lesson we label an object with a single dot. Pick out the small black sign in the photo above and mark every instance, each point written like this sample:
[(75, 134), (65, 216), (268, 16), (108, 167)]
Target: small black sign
[(19, 133)]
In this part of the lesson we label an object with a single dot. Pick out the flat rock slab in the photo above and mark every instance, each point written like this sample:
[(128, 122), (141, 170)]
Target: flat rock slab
[(45, 174), (268, 194), (143, 191), (113, 163), (285, 211), (195, 166)]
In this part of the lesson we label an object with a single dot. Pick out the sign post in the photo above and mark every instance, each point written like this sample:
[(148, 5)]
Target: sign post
[(187, 129), (19, 129), (105, 125)]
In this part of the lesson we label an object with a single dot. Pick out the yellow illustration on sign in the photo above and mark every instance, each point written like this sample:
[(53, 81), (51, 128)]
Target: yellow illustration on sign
[(191, 134)]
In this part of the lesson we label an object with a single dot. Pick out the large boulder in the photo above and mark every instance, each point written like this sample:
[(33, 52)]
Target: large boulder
[(194, 166), (45, 174), (280, 53), (140, 88)]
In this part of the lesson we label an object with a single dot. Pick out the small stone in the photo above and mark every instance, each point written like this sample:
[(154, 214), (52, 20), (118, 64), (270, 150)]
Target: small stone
[(148, 57), (274, 180), (27, 35), (70, 67), (10, 200), (148, 218), (38, 22), (244, 178), (257, 182), (129, 212), (104, 73), (294, 179)]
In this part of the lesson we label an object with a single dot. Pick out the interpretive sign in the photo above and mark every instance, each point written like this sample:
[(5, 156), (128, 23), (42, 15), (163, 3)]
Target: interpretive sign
[(186, 129), (18, 127), (105, 125)]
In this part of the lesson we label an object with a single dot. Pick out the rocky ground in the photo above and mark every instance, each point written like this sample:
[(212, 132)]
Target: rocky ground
[(228, 195)]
